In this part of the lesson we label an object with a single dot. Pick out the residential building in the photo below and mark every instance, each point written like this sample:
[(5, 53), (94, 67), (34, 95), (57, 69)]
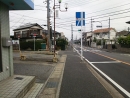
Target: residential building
[(108, 34), (6, 60), (87, 36), (84, 38), (123, 33), (27, 31), (57, 34), (62, 35)]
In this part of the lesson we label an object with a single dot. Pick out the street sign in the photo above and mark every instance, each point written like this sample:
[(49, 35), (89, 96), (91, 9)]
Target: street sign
[(34, 35), (80, 18)]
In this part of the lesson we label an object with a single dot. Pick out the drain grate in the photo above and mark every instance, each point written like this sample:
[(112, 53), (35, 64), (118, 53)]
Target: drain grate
[(52, 84), (18, 78)]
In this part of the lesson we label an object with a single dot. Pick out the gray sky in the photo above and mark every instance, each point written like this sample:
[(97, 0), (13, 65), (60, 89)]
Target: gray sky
[(99, 10)]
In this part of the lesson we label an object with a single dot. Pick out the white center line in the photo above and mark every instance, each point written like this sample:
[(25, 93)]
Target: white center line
[(107, 62)]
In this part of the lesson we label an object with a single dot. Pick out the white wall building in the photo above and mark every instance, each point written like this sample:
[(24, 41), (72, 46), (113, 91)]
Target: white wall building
[(108, 34)]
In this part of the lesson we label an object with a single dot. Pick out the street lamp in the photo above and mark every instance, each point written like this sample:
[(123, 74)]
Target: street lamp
[(128, 22), (54, 7), (99, 22)]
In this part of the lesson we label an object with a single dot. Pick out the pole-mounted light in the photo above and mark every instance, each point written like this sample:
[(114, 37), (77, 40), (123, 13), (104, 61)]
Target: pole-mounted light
[(54, 7), (66, 6), (59, 1)]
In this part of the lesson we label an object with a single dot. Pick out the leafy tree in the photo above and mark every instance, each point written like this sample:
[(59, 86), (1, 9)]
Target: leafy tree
[(125, 42), (60, 42)]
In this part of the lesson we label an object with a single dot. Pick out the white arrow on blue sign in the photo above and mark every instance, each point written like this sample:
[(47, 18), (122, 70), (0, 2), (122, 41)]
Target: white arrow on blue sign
[(80, 18)]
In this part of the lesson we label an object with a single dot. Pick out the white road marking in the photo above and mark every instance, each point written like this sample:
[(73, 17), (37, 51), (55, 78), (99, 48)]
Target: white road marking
[(109, 79), (125, 54), (107, 62)]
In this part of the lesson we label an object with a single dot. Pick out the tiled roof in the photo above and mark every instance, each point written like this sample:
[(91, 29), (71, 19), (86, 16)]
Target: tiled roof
[(27, 26), (103, 30)]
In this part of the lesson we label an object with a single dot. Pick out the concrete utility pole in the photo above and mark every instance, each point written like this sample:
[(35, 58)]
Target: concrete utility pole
[(109, 30), (72, 35), (48, 24), (92, 27)]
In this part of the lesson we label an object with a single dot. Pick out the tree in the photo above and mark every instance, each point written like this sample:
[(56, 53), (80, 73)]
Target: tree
[(60, 42), (94, 40), (124, 42)]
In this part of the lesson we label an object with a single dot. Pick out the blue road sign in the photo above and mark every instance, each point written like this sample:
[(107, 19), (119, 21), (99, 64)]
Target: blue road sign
[(80, 18)]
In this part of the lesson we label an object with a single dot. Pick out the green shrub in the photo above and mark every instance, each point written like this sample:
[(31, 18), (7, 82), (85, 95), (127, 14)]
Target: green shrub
[(30, 44), (124, 42), (61, 43), (98, 42)]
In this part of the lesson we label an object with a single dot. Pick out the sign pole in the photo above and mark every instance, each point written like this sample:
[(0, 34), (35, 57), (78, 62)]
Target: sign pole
[(81, 36), (80, 21)]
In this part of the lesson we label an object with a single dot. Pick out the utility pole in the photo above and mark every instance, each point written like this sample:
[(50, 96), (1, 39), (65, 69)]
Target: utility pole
[(109, 22), (48, 24), (92, 27), (91, 24), (54, 29), (72, 35), (109, 30)]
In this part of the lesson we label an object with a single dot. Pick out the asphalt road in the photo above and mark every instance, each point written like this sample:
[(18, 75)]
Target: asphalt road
[(78, 81), (117, 71)]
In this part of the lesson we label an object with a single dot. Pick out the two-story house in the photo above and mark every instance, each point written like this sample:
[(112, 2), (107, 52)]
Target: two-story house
[(108, 34), (27, 31)]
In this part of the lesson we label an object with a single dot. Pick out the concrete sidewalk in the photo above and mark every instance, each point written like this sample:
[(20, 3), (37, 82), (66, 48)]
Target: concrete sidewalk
[(69, 78), (78, 81)]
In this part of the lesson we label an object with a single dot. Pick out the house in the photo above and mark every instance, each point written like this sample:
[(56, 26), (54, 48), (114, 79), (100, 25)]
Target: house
[(89, 38), (27, 31), (6, 60), (86, 37), (57, 34), (62, 35), (107, 34), (123, 33)]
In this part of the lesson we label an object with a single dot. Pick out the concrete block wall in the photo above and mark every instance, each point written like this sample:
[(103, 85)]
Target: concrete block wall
[(121, 49), (7, 57)]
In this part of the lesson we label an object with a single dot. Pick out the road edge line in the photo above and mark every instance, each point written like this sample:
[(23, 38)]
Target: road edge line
[(108, 78)]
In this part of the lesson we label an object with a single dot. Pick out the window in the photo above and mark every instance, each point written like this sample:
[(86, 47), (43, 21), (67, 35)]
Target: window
[(24, 33), (17, 34)]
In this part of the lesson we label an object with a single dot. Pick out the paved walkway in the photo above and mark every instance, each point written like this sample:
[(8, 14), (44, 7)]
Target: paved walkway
[(78, 81)]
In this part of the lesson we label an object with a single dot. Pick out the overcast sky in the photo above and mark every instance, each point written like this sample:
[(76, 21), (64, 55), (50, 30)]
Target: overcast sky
[(99, 10)]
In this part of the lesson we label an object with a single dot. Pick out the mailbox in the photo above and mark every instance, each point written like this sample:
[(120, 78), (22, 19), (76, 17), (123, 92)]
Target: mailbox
[(6, 42)]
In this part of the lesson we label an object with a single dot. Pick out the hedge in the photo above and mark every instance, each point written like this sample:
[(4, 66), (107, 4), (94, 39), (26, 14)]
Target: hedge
[(30, 44)]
